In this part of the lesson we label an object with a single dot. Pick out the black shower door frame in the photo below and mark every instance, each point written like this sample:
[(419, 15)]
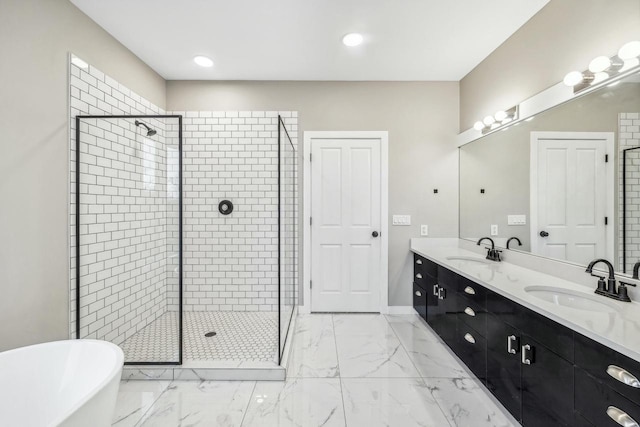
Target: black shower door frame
[(282, 341), (79, 119)]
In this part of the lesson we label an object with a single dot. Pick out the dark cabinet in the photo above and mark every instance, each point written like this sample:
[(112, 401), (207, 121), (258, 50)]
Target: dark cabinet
[(503, 364), (602, 406), (471, 348), (542, 372), (444, 320), (420, 301), (547, 386)]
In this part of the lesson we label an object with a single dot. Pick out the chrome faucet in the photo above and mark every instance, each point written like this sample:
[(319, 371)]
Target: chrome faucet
[(609, 289), (513, 238), (492, 253)]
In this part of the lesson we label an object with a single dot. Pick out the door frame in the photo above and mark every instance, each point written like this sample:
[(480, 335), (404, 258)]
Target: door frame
[(609, 138), (309, 136)]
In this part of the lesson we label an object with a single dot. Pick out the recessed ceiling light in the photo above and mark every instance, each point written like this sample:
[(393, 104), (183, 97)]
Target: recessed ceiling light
[(203, 61), (352, 39), (79, 62)]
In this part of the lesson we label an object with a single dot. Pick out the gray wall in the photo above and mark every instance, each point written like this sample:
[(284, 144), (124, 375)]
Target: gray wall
[(35, 39), (422, 120), (565, 35)]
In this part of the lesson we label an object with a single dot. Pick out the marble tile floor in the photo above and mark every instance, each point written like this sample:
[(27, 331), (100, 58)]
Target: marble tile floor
[(344, 370)]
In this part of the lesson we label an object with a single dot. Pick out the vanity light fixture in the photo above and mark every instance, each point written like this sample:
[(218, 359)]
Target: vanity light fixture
[(603, 68), (498, 120), (352, 39), (203, 61)]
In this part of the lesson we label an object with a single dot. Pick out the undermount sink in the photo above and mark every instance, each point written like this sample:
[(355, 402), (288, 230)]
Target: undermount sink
[(468, 258), (571, 299)]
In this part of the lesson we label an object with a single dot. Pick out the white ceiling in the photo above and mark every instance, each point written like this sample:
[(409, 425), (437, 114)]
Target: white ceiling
[(301, 39)]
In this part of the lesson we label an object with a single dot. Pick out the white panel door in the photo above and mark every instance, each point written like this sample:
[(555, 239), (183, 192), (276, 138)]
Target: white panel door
[(345, 230), (572, 200)]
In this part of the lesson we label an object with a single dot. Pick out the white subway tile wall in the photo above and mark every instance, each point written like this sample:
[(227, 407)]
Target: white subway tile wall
[(231, 262), (130, 206), (628, 137), (126, 210)]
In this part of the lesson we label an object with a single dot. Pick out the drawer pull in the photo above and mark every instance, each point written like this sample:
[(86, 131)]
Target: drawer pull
[(469, 311), (469, 338), (469, 290), (511, 340), (418, 293), (623, 376), (526, 355), (435, 290), (419, 276), (621, 417), (419, 261)]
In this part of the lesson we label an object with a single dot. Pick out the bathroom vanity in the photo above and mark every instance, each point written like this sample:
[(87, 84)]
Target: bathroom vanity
[(548, 349)]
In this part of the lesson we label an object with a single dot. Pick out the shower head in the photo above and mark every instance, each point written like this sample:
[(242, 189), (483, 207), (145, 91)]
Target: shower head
[(150, 131)]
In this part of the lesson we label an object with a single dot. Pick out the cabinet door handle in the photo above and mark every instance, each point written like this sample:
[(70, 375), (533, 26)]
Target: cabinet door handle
[(419, 276), (442, 293), (623, 376), (419, 261), (512, 343), (469, 338), (469, 311), (418, 293), (527, 357), (469, 290), (621, 417), (435, 290)]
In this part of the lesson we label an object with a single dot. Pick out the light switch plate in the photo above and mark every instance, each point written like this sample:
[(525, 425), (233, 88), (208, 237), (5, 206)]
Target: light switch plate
[(516, 219), (424, 230), (494, 229), (401, 220)]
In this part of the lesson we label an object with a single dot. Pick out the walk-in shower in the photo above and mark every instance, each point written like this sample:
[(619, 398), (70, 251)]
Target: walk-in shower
[(164, 271)]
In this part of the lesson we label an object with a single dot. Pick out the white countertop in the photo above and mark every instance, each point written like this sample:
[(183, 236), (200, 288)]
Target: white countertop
[(620, 330)]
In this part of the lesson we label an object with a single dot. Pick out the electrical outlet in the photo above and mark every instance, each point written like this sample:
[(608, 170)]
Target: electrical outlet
[(424, 230), (494, 229), (401, 220)]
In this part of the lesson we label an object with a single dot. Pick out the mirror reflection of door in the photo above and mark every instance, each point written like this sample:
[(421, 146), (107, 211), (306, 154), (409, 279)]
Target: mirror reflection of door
[(572, 200)]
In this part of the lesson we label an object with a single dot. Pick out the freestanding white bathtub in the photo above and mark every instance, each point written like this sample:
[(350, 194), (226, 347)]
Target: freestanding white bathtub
[(63, 383)]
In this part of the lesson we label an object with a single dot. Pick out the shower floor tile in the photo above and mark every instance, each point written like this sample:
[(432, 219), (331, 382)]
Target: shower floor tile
[(240, 336)]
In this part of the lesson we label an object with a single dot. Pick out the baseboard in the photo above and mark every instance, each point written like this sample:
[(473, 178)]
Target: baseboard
[(400, 309)]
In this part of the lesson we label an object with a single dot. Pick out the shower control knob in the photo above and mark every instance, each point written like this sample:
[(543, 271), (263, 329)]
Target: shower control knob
[(375, 234), (544, 234)]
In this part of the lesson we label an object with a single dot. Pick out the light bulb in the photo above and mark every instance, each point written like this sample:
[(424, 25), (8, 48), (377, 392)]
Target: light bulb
[(352, 39), (478, 125), (599, 77), (489, 120), (629, 50), (599, 64), (507, 120), (500, 116), (629, 63), (573, 78)]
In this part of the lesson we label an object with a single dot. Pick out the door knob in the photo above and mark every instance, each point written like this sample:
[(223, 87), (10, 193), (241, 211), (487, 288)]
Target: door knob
[(375, 234), (543, 233)]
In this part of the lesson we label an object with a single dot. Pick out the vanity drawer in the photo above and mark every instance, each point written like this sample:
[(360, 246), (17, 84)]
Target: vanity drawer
[(596, 359), (594, 400), (471, 348), (424, 266), (473, 291), (420, 301), (472, 314)]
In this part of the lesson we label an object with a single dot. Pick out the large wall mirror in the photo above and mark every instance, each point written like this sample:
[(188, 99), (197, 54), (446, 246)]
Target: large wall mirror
[(566, 183)]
